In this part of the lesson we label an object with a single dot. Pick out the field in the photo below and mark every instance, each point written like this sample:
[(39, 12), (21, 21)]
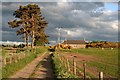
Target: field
[(97, 60)]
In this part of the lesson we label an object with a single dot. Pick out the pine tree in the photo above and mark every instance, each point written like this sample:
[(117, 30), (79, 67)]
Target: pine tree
[(31, 22)]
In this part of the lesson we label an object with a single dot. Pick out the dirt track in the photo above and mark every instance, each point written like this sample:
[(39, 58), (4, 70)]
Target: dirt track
[(44, 71)]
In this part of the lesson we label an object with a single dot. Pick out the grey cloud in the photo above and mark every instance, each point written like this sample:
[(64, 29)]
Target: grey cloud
[(11, 37), (110, 16), (84, 17)]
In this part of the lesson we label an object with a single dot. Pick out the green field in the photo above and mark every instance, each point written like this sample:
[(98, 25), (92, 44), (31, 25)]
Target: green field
[(107, 59)]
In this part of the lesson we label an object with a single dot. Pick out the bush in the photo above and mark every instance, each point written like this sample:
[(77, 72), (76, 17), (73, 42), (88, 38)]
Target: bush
[(51, 50), (21, 46)]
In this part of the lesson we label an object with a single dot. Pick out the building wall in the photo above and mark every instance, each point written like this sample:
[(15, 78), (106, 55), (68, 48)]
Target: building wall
[(77, 45)]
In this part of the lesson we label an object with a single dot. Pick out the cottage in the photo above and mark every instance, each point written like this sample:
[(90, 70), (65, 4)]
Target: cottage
[(75, 43)]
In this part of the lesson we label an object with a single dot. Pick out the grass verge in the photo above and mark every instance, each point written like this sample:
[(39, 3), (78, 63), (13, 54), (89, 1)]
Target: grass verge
[(59, 70), (10, 69)]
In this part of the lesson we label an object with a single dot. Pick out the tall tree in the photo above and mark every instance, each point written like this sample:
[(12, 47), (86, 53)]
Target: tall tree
[(21, 21), (31, 21), (41, 39), (37, 21)]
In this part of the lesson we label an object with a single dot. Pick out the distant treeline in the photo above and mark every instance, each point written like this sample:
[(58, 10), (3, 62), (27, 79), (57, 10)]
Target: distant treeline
[(14, 46)]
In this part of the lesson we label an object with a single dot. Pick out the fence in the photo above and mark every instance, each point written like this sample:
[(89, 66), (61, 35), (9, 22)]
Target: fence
[(73, 68), (12, 58)]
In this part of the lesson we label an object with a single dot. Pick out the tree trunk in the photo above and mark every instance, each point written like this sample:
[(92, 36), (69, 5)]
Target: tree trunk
[(25, 39), (33, 39), (33, 33)]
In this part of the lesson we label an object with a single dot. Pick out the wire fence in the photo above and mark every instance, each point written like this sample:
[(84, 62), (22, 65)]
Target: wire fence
[(13, 58), (77, 68)]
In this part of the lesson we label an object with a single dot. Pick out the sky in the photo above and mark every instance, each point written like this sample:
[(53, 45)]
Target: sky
[(77, 20)]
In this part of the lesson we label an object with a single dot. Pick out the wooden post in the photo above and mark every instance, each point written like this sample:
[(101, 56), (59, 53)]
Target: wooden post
[(16, 59), (20, 56), (68, 66), (61, 59), (84, 65), (74, 68), (64, 59), (4, 61), (73, 65), (10, 60), (100, 75), (24, 56)]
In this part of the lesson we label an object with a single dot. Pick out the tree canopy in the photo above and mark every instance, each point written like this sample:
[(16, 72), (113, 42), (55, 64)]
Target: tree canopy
[(31, 23)]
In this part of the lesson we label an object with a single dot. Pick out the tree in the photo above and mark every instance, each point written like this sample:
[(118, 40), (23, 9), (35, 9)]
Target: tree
[(26, 35), (31, 21), (22, 22), (41, 40), (37, 21)]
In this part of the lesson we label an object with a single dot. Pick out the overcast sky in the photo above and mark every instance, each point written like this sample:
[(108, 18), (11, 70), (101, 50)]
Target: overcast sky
[(92, 20)]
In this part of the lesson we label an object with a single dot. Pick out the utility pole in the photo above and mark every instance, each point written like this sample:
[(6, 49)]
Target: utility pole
[(59, 36), (84, 39), (68, 33)]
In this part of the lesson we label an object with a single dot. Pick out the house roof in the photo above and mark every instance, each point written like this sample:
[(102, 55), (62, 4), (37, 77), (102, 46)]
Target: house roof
[(74, 42)]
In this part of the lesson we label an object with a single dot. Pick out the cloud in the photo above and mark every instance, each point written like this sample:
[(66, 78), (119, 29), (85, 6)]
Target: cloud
[(82, 19)]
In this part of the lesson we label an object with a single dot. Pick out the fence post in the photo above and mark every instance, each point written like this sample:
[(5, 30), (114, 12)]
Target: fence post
[(65, 62), (16, 59), (84, 68), (4, 61), (68, 66), (73, 64), (23, 55), (10, 59), (100, 75), (74, 68), (62, 59)]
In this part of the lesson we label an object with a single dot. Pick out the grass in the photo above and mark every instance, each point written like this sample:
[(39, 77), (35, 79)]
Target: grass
[(104, 68), (87, 74), (3, 52), (59, 70), (10, 69), (106, 60)]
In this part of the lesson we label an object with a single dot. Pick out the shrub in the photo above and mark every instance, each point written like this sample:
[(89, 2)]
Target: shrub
[(21, 46)]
